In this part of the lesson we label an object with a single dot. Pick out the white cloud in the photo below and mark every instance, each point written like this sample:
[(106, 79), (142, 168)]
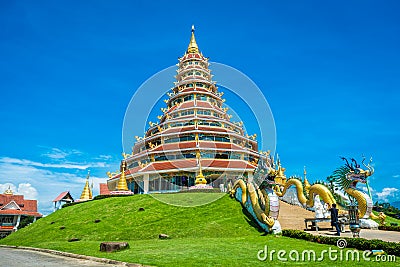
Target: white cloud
[(56, 153), (386, 193), (396, 176), (105, 157), (65, 165), (25, 189), (4, 187), (364, 188), (44, 181)]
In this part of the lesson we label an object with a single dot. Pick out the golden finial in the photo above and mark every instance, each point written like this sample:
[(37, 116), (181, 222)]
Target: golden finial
[(278, 161), (86, 193), (122, 185), (306, 183), (91, 190), (8, 191), (200, 177), (193, 48)]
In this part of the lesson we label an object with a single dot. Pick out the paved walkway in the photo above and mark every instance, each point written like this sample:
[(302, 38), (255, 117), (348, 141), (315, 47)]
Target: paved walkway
[(292, 217), (391, 236), (25, 258)]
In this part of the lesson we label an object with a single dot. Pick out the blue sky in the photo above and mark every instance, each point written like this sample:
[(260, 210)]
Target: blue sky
[(329, 70)]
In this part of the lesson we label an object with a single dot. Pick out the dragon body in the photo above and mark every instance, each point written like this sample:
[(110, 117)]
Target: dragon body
[(347, 177), (312, 191), (260, 201)]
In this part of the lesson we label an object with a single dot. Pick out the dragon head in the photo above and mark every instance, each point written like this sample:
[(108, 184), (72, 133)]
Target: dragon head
[(264, 175), (352, 173), (355, 178)]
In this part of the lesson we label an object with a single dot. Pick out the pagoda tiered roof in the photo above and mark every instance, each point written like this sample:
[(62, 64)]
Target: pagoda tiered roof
[(194, 121)]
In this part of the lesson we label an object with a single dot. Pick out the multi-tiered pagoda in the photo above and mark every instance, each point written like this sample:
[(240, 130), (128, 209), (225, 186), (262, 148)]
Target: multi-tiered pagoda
[(194, 142)]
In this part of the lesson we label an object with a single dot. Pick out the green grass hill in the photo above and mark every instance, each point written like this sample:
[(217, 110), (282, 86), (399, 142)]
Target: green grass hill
[(216, 234), (120, 219)]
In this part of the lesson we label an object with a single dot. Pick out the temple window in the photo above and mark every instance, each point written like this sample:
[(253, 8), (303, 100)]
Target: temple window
[(189, 155), (224, 139), (210, 123), (223, 155), (160, 157), (235, 156), (187, 112), (237, 141), (203, 137), (171, 140), (237, 130), (187, 138), (133, 164), (208, 155), (188, 98), (201, 97), (204, 112)]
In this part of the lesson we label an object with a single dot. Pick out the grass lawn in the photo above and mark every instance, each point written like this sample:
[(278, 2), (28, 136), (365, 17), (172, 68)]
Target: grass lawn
[(188, 199), (388, 219), (217, 234)]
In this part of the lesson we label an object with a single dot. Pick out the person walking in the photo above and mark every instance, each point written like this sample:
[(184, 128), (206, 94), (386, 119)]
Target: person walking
[(335, 218)]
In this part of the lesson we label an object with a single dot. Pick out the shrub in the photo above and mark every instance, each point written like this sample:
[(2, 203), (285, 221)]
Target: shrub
[(389, 228), (391, 248)]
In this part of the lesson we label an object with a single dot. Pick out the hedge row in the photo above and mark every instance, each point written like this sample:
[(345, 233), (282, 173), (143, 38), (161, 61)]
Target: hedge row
[(390, 248), (389, 228)]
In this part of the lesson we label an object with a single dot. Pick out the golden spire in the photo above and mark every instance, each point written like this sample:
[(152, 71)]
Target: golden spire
[(193, 48), (122, 185), (86, 193), (8, 191), (200, 177), (306, 183)]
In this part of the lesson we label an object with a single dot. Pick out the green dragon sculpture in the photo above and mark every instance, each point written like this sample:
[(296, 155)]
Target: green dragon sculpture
[(347, 177)]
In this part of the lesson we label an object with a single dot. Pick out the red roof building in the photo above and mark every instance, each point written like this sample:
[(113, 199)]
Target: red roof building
[(194, 140), (104, 189), (63, 198), (12, 209)]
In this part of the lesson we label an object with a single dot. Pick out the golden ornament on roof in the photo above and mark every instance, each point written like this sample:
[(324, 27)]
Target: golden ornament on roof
[(193, 48)]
